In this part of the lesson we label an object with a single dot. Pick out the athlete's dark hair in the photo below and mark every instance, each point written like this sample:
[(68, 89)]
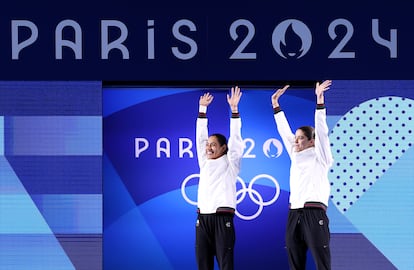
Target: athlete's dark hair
[(222, 140), (308, 131)]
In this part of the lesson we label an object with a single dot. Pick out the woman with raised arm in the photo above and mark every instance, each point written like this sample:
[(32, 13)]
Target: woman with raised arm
[(219, 163), (310, 154)]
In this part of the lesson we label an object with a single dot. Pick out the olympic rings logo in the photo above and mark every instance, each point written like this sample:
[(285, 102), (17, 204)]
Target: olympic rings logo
[(254, 195)]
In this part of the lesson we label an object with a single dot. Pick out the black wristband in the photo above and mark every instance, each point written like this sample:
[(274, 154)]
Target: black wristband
[(276, 110), (320, 106)]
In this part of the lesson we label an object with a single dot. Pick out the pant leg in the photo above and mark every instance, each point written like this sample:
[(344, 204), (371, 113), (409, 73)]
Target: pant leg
[(317, 236), (225, 241), (205, 245), (296, 247)]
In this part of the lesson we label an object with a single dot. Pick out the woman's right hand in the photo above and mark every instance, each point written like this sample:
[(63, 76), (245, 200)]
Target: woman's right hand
[(206, 99), (275, 97)]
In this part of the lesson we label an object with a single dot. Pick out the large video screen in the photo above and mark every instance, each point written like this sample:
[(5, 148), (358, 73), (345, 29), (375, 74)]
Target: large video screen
[(150, 174), (50, 175)]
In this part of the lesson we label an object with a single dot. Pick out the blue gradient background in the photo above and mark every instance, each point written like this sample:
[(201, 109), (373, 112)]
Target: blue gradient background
[(50, 175), (149, 225)]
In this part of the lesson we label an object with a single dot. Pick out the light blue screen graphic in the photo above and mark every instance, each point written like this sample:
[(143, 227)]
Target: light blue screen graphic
[(151, 174), (50, 175)]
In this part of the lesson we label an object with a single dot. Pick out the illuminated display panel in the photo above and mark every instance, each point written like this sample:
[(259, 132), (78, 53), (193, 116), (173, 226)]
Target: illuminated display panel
[(151, 174), (53, 209), (50, 175)]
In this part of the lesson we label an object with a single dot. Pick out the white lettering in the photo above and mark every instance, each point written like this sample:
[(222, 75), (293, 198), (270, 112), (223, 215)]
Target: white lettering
[(272, 148), (75, 46), (239, 52), (391, 44), (151, 39), (114, 34), (166, 149), (187, 150), (16, 46), (138, 149), (337, 52), (116, 44), (185, 39), (248, 153)]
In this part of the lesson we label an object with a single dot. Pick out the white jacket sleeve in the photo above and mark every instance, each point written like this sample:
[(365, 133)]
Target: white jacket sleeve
[(235, 144), (322, 144), (285, 131), (201, 140)]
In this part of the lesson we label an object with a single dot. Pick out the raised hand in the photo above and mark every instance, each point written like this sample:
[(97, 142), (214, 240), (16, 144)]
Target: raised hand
[(234, 99), (206, 99), (276, 95), (320, 89)]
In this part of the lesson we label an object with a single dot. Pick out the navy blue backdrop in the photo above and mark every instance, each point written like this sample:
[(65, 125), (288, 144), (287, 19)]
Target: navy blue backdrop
[(237, 41)]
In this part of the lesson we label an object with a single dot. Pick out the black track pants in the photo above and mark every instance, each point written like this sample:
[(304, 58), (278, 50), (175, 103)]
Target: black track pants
[(308, 228), (215, 236)]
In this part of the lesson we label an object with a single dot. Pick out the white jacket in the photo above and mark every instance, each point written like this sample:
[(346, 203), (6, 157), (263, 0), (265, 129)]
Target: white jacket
[(310, 167), (217, 184)]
